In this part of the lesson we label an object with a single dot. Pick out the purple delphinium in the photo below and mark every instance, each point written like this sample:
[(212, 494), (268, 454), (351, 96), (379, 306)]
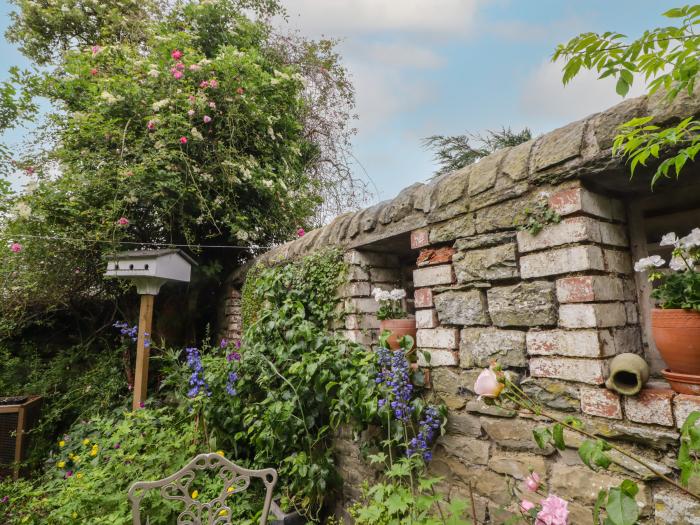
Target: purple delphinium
[(426, 434), (233, 356), (231, 383), (126, 330), (223, 343), (197, 383), (394, 373)]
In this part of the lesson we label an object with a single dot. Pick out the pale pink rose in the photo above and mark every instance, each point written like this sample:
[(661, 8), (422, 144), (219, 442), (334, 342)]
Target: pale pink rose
[(177, 75), (206, 119), (532, 482), (123, 221), (526, 505), (176, 54), (213, 83), (212, 105), (554, 511), (190, 112), (191, 99), (151, 125), (204, 84), (240, 90), (487, 384), (195, 67), (16, 247)]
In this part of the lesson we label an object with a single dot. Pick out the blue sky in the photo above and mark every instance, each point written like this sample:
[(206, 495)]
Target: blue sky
[(424, 67)]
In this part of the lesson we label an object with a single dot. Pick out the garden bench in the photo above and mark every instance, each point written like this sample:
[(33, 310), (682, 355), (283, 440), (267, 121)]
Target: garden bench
[(178, 487)]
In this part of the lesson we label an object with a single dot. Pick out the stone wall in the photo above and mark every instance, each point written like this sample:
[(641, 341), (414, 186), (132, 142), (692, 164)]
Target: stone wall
[(553, 308)]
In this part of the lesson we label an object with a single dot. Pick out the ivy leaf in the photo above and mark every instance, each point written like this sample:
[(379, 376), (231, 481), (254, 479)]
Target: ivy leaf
[(542, 436)]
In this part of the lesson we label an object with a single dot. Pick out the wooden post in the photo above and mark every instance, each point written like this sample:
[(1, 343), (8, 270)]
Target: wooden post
[(143, 350)]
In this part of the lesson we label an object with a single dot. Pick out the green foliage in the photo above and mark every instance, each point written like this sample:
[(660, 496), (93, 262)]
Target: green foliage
[(455, 152), (667, 58), (231, 143), (75, 383), (679, 290), (296, 380), (121, 448), (407, 499), (690, 448), (619, 503), (592, 453), (536, 216)]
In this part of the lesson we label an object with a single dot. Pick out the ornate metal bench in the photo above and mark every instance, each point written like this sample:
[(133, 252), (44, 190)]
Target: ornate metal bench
[(177, 487)]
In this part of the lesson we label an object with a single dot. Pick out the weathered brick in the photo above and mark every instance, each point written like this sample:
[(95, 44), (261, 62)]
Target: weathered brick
[(488, 264), (462, 226), (577, 343), (683, 405), (361, 305), (433, 275), (470, 450), (673, 508), (423, 298), (523, 304), (365, 258), (357, 273), (617, 261), (385, 275), (420, 238), (361, 322), (591, 371), (359, 336), (356, 289), (571, 230), (432, 256), (600, 402), (438, 338), (426, 318), (462, 308), (597, 315), (517, 465), (632, 313), (651, 406), (480, 346), (438, 357), (574, 200), (561, 260), (589, 288)]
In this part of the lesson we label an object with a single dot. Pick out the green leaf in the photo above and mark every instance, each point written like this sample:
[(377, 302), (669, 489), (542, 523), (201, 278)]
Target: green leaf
[(592, 453), (558, 435), (542, 436), (602, 494), (622, 87), (621, 506)]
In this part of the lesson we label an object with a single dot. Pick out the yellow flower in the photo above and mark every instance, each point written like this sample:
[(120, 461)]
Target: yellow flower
[(86, 441), (79, 475), (61, 443), (76, 459), (229, 490), (223, 512), (61, 464), (75, 515), (94, 450), (71, 455), (195, 494), (220, 453)]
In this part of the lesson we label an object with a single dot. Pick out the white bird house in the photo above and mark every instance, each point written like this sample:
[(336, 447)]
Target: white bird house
[(150, 269)]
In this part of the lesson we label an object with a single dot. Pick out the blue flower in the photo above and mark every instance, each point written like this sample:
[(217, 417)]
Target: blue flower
[(427, 430), (197, 382)]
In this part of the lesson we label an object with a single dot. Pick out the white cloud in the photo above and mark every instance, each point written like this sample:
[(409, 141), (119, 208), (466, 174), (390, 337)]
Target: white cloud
[(346, 17), (403, 54), (546, 99)]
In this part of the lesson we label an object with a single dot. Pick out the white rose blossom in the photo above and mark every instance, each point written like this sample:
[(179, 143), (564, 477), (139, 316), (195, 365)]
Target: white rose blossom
[(692, 240), (670, 239), (677, 264), (647, 263)]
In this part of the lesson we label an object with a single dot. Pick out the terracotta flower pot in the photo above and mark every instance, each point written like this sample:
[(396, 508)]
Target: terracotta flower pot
[(398, 328), (677, 336)]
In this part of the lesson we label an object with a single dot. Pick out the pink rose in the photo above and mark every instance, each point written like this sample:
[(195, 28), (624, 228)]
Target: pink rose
[(487, 384), (16, 247), (177, 75), (176, 54), (532, 482), (151, 125), (95, 50), (123, 221), (212, 105), (240, 90), (191, 99), (190, 112), (301, 232), (183, 140), (206, 119), (554, 511), (29, 170), (213, 83), (204, 84), (195, 67), (526, 505), (180, 66), (93, 71)]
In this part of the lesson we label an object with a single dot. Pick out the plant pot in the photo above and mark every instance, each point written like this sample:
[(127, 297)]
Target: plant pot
[(683, 383), (398, 328), (677, 336)]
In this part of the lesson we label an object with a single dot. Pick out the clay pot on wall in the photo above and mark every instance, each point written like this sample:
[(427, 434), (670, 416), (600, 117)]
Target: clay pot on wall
[(398, 328), (677, 336)]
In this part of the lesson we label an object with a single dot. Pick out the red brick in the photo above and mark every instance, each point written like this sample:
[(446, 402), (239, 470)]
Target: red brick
[(588, 288), (600, 402), (651, 406), (683, 405), (423, 298), (591, 371), (419, 238), (574, 200), (435, 256)]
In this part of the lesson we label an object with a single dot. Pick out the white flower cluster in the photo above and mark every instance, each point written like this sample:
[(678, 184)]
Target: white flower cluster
[(385, 295), (684, 253)]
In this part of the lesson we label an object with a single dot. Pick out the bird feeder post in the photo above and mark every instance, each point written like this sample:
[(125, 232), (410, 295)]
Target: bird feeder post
[(149, 269), (143, 350)]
